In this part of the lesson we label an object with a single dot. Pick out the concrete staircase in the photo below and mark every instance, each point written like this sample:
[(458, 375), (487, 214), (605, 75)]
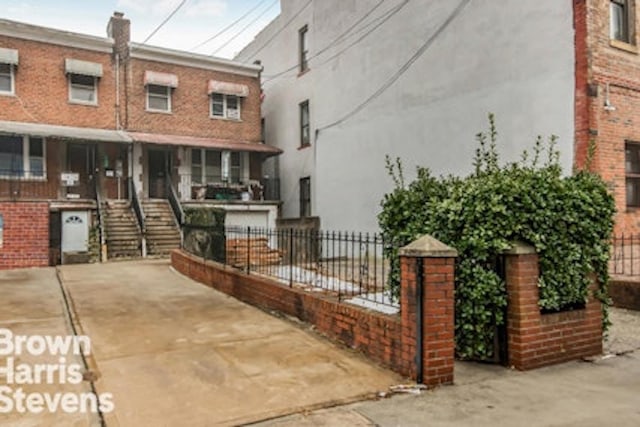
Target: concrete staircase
[(124, 239), (163, 234)]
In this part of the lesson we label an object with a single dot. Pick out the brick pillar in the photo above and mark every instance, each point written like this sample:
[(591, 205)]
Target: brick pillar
[(523, 312), (427, 270)]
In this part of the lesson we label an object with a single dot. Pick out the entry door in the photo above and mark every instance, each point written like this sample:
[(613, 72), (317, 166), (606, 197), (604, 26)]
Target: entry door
[(75, 231), (81, 160), (158, 167)]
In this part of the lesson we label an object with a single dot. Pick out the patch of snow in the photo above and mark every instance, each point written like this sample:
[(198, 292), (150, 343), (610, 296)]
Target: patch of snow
[(380, 301)]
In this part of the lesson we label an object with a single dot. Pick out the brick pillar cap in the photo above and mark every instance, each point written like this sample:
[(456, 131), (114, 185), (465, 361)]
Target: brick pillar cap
[(520, 248), (428, 247)]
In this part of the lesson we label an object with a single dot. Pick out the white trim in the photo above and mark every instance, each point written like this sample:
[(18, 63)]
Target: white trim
[(80, 101), (225, 110), (26, 161), (12, 76), (177, 57), (155, 110), (24, 31)]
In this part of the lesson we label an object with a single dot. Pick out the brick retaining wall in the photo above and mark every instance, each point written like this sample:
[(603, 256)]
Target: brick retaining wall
[(25, 240)]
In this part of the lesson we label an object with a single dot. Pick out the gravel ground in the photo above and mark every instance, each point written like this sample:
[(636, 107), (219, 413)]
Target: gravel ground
[(624, 334)]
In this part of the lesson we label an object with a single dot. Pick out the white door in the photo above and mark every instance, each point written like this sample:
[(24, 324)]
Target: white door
[(75, 231)]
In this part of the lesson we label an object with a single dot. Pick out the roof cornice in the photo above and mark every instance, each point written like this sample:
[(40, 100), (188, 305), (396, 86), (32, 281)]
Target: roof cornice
[(24, 31), (178, 57)]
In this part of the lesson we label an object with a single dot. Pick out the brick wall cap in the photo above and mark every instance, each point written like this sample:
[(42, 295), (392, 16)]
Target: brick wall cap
[(428, 247), (520, 248)]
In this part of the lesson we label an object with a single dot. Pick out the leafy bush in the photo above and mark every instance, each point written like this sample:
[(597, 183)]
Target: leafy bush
[(568, 220)]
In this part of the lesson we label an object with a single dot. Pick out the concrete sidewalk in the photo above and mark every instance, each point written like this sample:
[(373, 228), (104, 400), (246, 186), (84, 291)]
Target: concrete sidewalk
[(599, 393), (31, 303)]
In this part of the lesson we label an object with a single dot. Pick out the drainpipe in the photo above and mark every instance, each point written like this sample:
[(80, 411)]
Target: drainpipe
[(118, 125)]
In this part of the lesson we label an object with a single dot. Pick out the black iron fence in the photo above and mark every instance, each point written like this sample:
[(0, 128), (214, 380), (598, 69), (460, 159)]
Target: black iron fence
[(349, 266), (625, 255)]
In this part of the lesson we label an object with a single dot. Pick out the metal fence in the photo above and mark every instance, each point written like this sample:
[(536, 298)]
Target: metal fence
[(349, 266), (625, 255)]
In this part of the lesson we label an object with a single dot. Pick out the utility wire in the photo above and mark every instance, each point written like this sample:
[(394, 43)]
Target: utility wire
[(225, 29), (273, 36), (253, 21), (425, 46), (165, 21), (332, 43), (377, 22)]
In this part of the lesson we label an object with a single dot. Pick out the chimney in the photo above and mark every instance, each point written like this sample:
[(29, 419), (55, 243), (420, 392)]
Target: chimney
[(119, 29)]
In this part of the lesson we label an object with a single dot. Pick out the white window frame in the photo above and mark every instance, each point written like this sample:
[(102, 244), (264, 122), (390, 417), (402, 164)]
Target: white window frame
[(225, 109), (219, 179), (168, 95), (26, 161), (12, 72), (81, 101)]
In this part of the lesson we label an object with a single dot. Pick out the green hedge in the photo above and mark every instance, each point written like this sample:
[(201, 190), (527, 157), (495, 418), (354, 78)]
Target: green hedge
[(569, 220)]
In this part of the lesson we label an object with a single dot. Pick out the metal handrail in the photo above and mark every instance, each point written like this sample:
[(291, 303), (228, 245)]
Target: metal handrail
[(101, 230), (139, 211), (174, 201)]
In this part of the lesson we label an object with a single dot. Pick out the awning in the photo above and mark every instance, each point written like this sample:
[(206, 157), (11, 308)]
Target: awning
[(213, 143), (227, 88), (63, 132), (84, 68), (8, 56), (160, 79)]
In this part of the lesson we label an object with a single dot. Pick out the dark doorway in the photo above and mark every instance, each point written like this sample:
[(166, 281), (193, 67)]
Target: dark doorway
[(158, 161), (81, 160), (55, 238)]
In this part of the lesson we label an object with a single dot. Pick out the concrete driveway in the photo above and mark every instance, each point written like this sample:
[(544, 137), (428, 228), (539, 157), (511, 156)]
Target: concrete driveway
[(176, 353)]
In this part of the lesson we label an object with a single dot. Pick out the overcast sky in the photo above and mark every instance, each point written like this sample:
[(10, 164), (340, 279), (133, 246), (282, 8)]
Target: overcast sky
[(194, 23)]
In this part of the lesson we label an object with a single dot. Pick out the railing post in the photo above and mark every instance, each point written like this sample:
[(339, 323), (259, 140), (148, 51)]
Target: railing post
[(248, 250), (291, 257)]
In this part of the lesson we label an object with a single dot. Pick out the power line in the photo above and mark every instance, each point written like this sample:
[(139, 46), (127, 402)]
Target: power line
[(425, 46), (281, 29), (225, 29), (377, 22), (332, 43), (244, 28), (165, 21)]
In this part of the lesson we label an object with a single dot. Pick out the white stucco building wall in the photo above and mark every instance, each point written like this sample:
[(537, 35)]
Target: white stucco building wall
[(513, 58)]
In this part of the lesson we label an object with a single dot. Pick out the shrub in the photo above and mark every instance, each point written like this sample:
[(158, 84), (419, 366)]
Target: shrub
[(568, 220)]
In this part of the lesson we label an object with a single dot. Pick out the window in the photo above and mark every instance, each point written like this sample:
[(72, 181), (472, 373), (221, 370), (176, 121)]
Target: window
[(305, 135), (159, 98), (303, 49), (225, 106), (621, 21), (6, 79), (305, 196), (632, 171), (22, 157), (207, 166), (83, 89)]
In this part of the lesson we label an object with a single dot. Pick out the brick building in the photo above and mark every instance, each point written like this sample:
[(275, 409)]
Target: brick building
[(417, 79), (102, 141)]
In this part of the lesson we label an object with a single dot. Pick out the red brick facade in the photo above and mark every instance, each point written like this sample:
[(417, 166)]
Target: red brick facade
[(25, 234), (389, 340), (606, 70), (190, 102), (537, 339), (42, 87)]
